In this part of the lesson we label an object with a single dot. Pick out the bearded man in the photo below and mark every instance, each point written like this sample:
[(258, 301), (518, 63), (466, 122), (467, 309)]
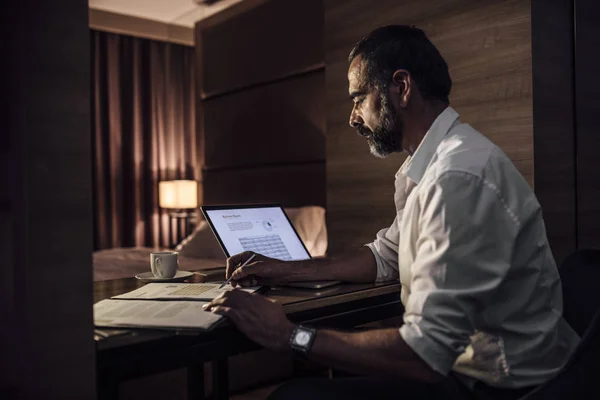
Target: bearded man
[(480, 287)]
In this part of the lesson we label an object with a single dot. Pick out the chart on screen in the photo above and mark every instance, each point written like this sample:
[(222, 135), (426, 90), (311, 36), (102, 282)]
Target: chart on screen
[(269, 245)]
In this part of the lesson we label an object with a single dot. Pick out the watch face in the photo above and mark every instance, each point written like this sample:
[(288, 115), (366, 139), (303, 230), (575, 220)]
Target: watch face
[(302, 338)]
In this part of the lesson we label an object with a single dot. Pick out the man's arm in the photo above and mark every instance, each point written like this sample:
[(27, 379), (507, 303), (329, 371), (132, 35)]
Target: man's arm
[(355, 266), (378, 261), (376, 352), (461, 261), (380, 353)]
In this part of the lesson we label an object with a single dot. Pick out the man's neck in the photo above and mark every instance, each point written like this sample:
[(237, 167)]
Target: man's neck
[(419, 124)]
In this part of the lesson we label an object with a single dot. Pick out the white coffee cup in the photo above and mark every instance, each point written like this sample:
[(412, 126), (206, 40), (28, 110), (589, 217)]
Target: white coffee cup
[(164, 264)]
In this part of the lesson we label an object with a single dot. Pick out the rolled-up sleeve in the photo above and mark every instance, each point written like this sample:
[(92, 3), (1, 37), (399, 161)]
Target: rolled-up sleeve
[(464, 248), (385, 251)]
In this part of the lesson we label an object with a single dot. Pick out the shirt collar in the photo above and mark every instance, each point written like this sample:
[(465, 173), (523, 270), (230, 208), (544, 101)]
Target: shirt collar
[(415, 166)]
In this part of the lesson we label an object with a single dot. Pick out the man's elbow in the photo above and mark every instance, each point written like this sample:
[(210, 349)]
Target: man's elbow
[(418, 370), (429, 375), (418, 367)]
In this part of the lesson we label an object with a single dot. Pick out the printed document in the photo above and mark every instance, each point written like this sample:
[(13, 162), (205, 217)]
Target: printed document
[(154, 314), (179, 291)]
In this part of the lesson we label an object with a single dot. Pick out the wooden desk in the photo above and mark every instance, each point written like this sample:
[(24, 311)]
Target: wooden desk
[(133, 353)]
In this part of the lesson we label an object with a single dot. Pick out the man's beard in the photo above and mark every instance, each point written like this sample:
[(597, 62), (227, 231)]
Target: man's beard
[(387, 136)]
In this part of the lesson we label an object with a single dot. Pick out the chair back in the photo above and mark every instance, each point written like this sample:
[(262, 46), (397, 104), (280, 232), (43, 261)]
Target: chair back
[(580, 277), (579, 377)]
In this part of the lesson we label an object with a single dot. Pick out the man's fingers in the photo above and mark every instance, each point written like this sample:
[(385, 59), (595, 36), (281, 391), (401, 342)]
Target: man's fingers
[(239, 273), (248, 282), (252, 281), (235, 261), (233, 298), (245, 271), (215, 302), (227, 305), (232, 263), (222, 299), (223, 310), (226, 311)]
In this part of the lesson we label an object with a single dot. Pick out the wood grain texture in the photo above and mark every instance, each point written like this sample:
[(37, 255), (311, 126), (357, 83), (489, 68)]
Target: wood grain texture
[(261, 105), (46, 237), (272, 40), (282, 122), (488, 49), (554, 121), (587, 39), (292, 185), (107, 21)]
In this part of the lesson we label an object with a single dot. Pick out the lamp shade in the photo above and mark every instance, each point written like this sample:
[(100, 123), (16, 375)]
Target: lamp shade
[(178, 194)]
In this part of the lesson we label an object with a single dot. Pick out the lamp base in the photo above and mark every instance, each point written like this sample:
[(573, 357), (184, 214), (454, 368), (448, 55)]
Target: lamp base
[(190, 217)]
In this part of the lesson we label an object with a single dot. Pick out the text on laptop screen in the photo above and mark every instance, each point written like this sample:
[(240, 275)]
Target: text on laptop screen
[(263, 230)]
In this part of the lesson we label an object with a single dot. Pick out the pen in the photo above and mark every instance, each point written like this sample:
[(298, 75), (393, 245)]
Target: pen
[(243, 265)]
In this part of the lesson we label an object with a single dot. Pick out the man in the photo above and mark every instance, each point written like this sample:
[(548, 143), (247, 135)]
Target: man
[(480, 287)]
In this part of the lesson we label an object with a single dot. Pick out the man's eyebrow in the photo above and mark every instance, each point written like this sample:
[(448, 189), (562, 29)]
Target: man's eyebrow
[(356, 93)]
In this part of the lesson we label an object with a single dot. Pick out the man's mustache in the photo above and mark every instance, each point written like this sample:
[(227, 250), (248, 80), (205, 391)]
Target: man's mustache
[(364, 132)]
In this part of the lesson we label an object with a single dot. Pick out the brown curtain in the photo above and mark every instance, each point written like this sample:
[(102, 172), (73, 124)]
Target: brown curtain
[(144, 132)]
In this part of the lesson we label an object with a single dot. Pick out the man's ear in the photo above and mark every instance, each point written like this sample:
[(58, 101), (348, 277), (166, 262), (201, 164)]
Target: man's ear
[(402, 86)]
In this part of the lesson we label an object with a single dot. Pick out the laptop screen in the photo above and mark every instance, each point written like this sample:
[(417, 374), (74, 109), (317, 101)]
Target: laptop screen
[(264, 230)]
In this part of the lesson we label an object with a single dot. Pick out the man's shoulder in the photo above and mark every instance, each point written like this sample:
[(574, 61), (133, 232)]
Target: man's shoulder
[(466, 150)]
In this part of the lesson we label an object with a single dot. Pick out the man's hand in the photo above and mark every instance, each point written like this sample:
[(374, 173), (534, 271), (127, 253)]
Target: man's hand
[(259, 319), (357, 266), (261, 271)]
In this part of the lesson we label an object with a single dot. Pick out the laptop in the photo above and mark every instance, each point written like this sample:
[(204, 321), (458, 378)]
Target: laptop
[(262, 228)]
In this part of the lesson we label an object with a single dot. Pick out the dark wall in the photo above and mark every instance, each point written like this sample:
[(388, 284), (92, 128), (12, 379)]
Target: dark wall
[(46, 335), (554, 121), (587, 101), (261, 104), (566, 38)]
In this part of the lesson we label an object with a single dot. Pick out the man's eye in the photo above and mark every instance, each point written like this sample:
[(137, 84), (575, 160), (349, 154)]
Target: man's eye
[(358, 101)]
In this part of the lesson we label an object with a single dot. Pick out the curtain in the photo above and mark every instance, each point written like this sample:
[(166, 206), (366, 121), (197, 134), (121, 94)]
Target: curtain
[(143, 123)]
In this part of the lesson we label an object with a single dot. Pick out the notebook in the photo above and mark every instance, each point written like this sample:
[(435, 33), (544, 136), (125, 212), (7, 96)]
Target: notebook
[(154, 314), (162, 306), (178, 291)]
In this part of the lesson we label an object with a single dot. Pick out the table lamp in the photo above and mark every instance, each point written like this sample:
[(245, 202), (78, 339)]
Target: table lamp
[(180, 197)]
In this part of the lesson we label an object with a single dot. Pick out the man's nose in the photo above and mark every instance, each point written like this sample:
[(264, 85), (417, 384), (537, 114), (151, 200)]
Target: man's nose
[(355, 119)]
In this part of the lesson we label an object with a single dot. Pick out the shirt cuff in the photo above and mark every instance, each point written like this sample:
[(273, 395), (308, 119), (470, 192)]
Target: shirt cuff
[(384, 272), (426, 347)]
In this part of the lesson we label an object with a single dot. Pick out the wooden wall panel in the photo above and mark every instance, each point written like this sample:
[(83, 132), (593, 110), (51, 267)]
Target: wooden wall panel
[(46, 336), (554, 121), (293, 185), (587, 89), (487, 45), (278, 123), (261, 104), (107, 21), (276, 39)]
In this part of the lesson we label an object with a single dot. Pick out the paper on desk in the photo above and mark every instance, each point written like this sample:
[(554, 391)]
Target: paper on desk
[(153, 314), (179, 291)]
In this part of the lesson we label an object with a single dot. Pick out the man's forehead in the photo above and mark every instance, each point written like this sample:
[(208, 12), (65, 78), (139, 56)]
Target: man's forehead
[(355, 75)]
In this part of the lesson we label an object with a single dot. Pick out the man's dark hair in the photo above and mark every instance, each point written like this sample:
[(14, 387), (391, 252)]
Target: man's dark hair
[(393, 47)]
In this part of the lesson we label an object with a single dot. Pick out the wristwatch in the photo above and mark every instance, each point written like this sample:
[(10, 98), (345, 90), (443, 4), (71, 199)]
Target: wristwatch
[(302, 338)]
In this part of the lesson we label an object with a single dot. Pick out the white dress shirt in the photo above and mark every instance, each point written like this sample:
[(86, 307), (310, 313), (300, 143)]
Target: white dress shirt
[(480, 287)]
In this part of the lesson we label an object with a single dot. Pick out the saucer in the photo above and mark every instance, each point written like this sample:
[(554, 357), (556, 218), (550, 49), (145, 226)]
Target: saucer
[(180, 276)]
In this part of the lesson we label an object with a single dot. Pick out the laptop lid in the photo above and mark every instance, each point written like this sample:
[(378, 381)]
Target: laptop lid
[(262, 228)]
